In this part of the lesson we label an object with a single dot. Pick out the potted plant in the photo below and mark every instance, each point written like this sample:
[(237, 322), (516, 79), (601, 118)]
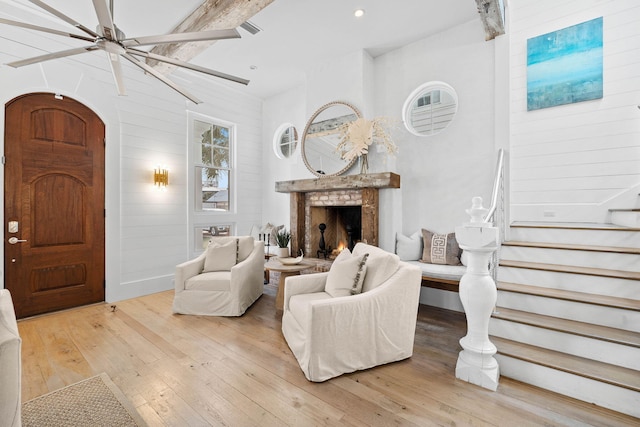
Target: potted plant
[(282, 240)]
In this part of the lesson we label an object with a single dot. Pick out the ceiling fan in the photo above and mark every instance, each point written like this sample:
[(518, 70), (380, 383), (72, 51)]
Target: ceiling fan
[(110, 39)]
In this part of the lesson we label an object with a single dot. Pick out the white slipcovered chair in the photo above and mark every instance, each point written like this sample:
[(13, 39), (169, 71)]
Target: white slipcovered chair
[(10, 363), (331, 334), (223, 281)]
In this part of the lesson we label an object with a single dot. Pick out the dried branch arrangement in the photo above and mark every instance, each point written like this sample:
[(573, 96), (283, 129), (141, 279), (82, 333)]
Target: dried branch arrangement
[(357, 136)]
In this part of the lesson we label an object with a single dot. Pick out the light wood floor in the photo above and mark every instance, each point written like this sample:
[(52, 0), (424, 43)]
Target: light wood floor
[(198, 371)]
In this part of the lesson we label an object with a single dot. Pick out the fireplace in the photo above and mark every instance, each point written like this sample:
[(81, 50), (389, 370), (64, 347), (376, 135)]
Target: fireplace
[(342, 223), (345, 204)]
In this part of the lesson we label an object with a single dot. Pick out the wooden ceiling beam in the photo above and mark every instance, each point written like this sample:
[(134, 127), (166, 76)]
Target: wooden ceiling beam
[(211, 15), (492, 16)]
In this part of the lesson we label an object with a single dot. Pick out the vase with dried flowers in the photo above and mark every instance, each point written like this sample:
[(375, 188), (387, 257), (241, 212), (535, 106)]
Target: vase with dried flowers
[(358, 135)]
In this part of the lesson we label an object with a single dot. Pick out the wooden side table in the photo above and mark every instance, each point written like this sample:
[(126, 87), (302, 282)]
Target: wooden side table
[(285, 271)]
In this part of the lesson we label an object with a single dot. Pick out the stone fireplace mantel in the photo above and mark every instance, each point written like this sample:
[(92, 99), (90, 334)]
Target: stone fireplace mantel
[(310, 196)]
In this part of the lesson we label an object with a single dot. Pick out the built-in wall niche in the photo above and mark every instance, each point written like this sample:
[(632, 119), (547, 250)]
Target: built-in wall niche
[(342, 228)]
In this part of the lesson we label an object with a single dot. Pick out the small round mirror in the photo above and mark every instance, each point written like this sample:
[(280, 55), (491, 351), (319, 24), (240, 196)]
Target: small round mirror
[(321, 136), (285, 140), (430, 108)]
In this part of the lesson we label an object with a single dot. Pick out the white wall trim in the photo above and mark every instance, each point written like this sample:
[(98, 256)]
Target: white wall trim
[(136, 288)]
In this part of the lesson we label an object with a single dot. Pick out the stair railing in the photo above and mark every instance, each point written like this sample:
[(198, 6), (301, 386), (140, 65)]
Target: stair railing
[(496, 213)]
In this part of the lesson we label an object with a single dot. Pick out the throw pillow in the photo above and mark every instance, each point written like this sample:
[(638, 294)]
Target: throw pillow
[(245, 245), (346, 275), (380, 265), (220, 257), (409, 248), (440, 248)]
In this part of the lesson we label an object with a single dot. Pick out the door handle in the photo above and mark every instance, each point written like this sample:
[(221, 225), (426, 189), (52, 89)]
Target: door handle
[(14, 240)]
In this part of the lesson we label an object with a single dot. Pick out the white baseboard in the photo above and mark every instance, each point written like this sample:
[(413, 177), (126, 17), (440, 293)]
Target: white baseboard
[(138, 288)]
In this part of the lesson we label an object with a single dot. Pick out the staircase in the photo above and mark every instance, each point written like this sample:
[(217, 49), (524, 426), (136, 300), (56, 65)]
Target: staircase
[(568, 311)]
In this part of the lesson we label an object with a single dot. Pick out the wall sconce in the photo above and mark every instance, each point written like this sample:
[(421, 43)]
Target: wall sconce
[(161, 177)]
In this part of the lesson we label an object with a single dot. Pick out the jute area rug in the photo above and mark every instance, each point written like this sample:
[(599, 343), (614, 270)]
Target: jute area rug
[(96, 401)]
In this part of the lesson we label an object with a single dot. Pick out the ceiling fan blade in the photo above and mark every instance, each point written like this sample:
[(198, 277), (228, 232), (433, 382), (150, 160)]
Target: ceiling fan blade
[(64, 17), (105, 19), (188, 65), (53, 55), (182, 37), (116, 70), (44, 29), (160, 77)]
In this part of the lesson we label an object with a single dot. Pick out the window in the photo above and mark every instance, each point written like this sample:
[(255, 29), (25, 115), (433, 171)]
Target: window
[(213, 160), (430, 108), (285, 140), (205, 233)]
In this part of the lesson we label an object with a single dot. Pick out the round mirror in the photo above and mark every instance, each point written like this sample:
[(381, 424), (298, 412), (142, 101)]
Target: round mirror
[(321, 137), (430, 108), (285, 140)]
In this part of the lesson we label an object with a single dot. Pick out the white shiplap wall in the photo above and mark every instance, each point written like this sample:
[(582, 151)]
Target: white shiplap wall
[(574, 162), (148, 231)]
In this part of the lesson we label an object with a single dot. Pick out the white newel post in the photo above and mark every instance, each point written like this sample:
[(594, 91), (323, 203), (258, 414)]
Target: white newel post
[(478, 294)]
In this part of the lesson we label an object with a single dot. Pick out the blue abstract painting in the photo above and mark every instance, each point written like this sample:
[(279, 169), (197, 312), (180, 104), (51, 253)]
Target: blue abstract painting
[(565, 66)]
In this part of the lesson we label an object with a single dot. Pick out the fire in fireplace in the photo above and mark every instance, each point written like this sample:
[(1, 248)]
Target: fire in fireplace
[(342, 225)]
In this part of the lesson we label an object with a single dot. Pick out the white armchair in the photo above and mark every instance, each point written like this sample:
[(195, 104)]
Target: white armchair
[(330, 336), (233, 280), (10, 363)]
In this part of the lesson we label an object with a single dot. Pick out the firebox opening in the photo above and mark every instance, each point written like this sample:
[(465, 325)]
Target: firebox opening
[(343, 227)]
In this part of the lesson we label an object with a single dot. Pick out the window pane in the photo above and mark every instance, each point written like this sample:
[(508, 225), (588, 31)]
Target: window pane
[(202, 132), (204, 234), (288, 141), (199, 154), (220, 157), (220, 136), (212, 188), (286, 149), (206, 156)]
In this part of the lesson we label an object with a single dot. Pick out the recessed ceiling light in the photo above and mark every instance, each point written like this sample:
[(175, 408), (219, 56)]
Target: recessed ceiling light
[(358, 13)]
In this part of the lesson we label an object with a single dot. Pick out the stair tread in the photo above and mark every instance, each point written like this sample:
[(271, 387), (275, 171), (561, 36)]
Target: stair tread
[(590, 248), (604, 300), (599, 371), (618, 274), (573, 226), (589, 330)]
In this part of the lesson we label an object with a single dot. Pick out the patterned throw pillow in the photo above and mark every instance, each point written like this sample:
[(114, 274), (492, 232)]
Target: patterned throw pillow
[(346, 275), (440, 248)]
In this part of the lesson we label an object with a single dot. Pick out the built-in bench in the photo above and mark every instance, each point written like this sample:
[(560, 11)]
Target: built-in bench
[(437, 276), (444, 277)]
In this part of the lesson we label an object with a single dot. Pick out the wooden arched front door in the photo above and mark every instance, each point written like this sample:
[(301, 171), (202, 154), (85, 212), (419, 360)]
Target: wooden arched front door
[(53, 204)]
